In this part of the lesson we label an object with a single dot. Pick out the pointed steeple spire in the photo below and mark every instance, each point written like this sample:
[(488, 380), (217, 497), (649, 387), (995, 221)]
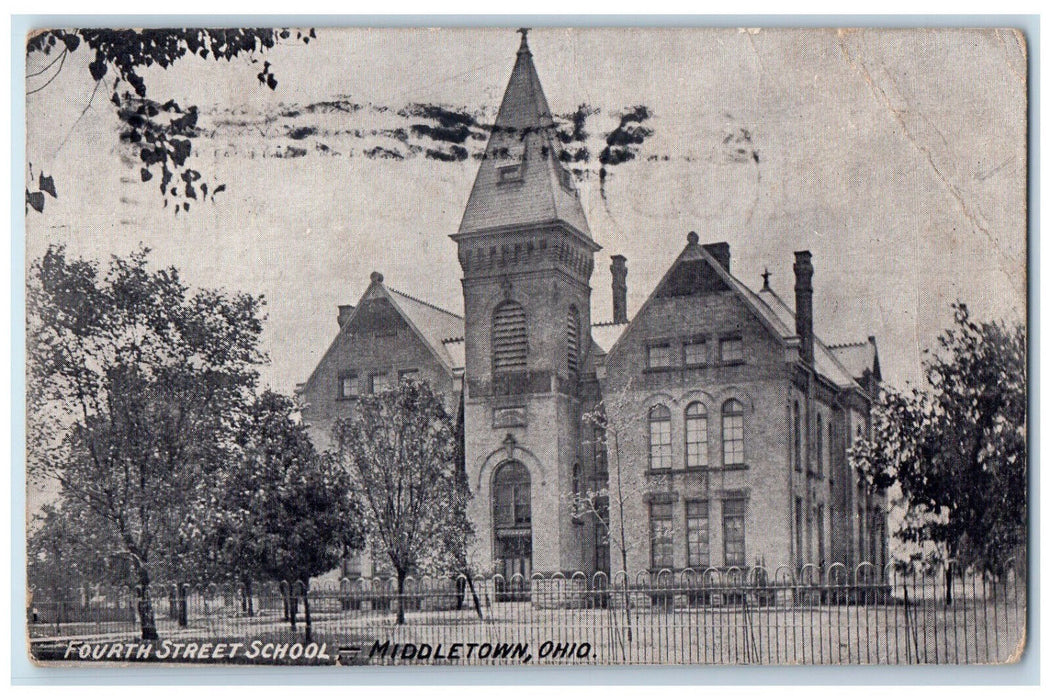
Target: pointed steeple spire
[(521, 181)]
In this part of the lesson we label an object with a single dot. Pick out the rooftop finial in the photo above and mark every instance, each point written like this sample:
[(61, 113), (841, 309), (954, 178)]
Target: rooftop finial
[(766, 278), (524, 47)]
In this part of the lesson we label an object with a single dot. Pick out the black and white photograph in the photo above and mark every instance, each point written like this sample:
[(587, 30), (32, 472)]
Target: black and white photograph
[(512, 346)]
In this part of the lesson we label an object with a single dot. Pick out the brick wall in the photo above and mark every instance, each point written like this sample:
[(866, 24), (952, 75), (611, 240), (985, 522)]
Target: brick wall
[(760, 383)]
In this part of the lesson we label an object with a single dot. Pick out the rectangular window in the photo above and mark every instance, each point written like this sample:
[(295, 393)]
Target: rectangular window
[(697, 552), (734, 511), (809, 459), (602, 561), (879, 558), (379, 383), (348, 385), (511, 506), (821, 535), (523, 511), (820, 447), (863, 553), (661, 553), (800, 559), (599, 444), (731, 349), (810, 536), (658, 356), (873, 550), (503, 505), (695, 352), (797, 437), (405, 374)]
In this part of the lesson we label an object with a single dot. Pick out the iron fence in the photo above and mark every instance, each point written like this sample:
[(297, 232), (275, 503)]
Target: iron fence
[(734, 616)]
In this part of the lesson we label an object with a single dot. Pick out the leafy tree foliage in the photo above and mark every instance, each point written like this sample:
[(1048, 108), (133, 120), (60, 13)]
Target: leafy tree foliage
[(458, 539), (133, 386), (68, 547), (161, 131), (401, 450), (280, 510), (957, 448)]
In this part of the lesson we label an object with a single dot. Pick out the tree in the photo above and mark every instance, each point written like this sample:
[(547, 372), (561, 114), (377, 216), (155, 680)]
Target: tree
[(160, 131), (66, 548), (280, 509), (400, 449), (457, 539), (614, 424), (595, 502), (133, 385), (957, 447)]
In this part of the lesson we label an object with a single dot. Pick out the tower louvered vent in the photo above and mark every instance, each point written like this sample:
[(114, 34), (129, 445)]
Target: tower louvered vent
[(509, 337), (573, 340)]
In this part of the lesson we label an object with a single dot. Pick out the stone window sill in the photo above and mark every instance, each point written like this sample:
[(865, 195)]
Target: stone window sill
[(696, 470), (659, 370)]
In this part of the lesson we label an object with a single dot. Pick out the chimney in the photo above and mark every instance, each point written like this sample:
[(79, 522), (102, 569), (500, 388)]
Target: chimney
[(619, 269), (721, 252), (805, 305), (345, 310)]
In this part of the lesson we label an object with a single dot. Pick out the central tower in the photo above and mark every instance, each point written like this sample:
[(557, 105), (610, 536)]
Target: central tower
[(527, 255)]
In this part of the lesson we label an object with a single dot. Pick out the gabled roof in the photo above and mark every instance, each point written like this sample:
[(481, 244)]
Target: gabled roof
[(455, 348), (434, 324), (521, 181), (858, 358), (824, 361), (693, 253), (771, 311), (605, 335), (439, 329)]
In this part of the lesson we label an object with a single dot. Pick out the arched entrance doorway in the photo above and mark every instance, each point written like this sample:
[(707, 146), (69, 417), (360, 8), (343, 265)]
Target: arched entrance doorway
[(512, 528)]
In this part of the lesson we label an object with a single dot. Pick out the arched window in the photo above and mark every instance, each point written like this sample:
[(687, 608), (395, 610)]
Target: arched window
[(578, 480), (696, 435), (573, 340), (512, 529), (511, 498), (797, 435), (660, 437), (733, 433), (509, 340)]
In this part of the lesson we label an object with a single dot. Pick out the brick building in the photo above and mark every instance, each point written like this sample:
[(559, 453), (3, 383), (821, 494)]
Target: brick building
[(727, 419)]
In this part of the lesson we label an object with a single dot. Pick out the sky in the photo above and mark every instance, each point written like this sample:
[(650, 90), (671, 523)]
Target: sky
[(897, 157)]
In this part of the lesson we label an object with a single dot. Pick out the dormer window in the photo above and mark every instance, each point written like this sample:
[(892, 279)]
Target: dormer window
[(509, 173), (565, 178)]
